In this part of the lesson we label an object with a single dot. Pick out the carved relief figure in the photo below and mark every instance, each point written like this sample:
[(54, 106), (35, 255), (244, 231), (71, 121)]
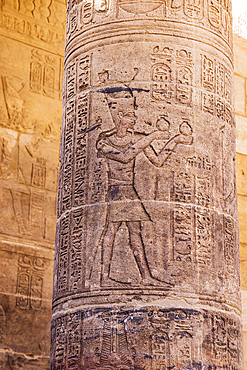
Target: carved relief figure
[(14, 103), (120, 148), (114, 351), (5, 155)]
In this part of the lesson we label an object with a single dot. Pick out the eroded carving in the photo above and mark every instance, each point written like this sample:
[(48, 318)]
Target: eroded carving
[(148, 339), (43, 69), (120, 147), (30, 282), (147, 216), (14, 103)]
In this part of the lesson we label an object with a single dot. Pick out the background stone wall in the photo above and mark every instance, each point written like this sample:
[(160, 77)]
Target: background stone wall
[(31, 64)]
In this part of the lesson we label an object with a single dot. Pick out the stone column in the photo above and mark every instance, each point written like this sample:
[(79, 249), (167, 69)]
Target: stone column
[(147, 262)]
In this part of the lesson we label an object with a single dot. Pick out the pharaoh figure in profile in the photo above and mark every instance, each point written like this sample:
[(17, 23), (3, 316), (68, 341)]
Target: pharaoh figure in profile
[(120, 147)]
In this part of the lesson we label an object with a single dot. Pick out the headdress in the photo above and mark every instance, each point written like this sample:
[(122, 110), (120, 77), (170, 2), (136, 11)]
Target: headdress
[(119, 98)]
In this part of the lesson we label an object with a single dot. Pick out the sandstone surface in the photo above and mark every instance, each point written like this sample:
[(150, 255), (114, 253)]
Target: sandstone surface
[(31, 44), (147, 260)]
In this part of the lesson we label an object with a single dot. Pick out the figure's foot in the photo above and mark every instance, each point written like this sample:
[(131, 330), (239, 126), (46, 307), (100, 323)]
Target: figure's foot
[(172, 276), (153, 282), (111, 283)]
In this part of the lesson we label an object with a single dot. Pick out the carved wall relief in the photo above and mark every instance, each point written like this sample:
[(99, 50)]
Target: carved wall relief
[(41, 9), (30, 282), (32, 46), (13, 101), (43, 73)]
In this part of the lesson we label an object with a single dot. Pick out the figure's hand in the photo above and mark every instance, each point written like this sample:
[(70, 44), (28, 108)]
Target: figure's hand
[(186, 140)]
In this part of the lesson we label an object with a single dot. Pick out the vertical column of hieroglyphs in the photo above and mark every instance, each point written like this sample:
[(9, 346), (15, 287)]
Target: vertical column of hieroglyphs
[(32, 47), (147, 265)]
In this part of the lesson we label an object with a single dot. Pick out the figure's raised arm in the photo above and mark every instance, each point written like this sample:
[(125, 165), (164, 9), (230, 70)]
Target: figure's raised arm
[(109, 151), (159, 159)]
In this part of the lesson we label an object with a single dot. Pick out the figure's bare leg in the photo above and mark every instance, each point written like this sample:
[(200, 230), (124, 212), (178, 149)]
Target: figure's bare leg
[(107, 246), (137, 247)]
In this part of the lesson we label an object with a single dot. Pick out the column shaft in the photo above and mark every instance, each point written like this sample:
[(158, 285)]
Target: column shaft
[(147, 261)]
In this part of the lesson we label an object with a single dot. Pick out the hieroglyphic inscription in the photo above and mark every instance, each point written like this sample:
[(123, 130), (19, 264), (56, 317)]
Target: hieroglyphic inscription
[(203, 221), (60, 340), (183, 187), (172, 341), (63, 263), (148, 339), (82, 13), (68, 333), (183, 233), (61, 159), (226, 337), (68, 155), (37, 196), (56, 261), (30, 282), (194, 8), (183, 217), (70, 4), (230, 248), (71, 80), (76, 249), (78, 75), (86, 10), (80, 164), (45, 11), (214, 13), (216, 80), (36, 215), (200, 162), (160, 350), (38, 176), (208, 74), (98, 185), (84, 72), (30, 28), (74, 332), (43, 68), (203, 191), (184, 76), (203, 237), (171, 75)]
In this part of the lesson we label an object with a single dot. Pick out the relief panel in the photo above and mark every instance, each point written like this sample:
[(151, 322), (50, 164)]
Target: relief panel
[(147, 339), (146, 209), (30, 282)]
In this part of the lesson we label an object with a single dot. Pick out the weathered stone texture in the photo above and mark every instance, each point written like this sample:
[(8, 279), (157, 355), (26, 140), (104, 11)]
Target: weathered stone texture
[(240, 53), (32, 42), (147, 261)]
